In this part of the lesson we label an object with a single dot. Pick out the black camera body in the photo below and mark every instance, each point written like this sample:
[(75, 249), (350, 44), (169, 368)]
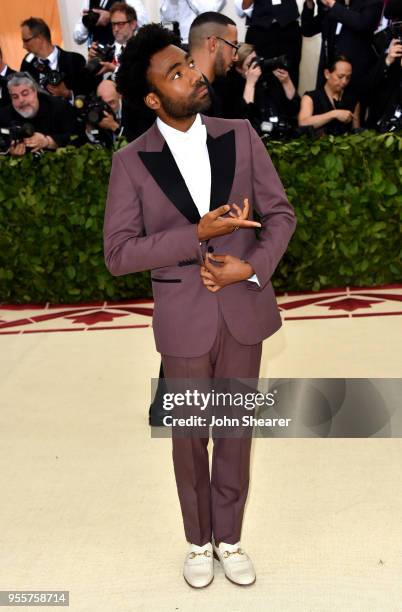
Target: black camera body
[(277, 128), (105, 53), (90, 20), (272, 63), (15, 133), (391, 123), (90, 110), (396, 30), (47, 75)]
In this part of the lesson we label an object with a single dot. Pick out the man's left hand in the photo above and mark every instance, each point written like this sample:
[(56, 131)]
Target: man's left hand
[(59, 90), (106, 67), (36, 142), (328, 3), (226, 271), (109, 122)]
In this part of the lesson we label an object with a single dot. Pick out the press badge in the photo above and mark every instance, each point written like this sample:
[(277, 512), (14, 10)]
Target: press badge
[(276, 2)]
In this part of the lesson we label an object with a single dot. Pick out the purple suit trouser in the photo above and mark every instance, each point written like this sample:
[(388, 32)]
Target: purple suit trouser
[(213, 505)]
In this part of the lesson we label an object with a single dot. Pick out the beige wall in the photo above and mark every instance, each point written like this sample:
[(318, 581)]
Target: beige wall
[(15, 11)]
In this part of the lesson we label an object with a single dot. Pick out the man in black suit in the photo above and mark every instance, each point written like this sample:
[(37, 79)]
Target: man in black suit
[(347, 28), (52, 120), (43, 57), (5, 71)]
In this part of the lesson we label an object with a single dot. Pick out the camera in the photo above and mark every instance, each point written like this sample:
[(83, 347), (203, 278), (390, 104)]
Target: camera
[(91, 19), (272, 63), (105, 53), (396, 30), (276, 128), (47, 75), (391, 123), (90, 109), (15, 133)]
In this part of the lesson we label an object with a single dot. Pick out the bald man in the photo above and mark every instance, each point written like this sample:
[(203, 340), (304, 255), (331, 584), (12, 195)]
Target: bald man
[(109, 129)]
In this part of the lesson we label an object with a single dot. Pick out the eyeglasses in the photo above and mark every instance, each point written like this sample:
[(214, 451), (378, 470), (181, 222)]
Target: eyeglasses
[(119, 24), (235, 46)]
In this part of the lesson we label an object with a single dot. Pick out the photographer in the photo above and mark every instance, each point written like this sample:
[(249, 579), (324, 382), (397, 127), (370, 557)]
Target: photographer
[(274, 29), (347, 28), (385, 79), (94, 24), (332, 109), (259, 89), (103, 115), (59, 72), (123, 20), (5, 72), (51, 120)]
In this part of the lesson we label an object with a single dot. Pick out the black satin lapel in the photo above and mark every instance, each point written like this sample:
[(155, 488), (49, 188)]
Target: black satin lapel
[(162, 166), (222, 155)]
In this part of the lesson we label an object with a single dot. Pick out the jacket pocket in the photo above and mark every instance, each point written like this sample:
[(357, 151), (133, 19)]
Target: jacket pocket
[(165, 280)]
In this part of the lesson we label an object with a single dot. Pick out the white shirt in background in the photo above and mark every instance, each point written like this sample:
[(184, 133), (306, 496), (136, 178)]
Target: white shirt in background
[(81, 34), (185, 11)]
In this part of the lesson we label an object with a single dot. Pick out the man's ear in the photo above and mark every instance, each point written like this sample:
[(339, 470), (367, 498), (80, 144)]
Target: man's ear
[(326, 73), (152, 101), (212, 43)]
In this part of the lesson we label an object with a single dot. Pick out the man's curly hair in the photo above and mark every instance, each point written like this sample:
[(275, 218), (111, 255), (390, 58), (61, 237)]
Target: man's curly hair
[(131, 79)]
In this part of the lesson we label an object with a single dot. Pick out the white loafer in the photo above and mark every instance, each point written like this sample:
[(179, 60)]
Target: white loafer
[(199, 566), (236, 564)]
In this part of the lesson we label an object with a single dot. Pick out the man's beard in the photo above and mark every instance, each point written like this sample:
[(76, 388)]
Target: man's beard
[(188, 108), (221, 68), (27, 112)]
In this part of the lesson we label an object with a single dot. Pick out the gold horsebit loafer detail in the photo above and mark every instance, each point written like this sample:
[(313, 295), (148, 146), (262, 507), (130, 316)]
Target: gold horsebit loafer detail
[(206, 553)]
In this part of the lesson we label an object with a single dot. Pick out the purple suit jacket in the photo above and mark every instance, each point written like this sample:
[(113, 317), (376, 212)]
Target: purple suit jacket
[(150, 224)]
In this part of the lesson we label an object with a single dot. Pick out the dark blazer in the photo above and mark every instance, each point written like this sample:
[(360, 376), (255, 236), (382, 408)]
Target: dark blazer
[(5, 99), (69, 63), (355, 39), (55, 118), (150, 224), (265, 12)]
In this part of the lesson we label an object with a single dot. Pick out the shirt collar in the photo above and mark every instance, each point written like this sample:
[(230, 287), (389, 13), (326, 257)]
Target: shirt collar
[(176, 138), (52, 58)]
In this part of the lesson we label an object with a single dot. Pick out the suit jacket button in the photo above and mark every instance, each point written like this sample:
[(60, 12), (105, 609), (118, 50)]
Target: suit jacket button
[(210, 249)]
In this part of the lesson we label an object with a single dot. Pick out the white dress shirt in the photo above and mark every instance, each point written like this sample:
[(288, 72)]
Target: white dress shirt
[(185, 11), (53, 59), (81, 34), (190, 152), (241, 11)]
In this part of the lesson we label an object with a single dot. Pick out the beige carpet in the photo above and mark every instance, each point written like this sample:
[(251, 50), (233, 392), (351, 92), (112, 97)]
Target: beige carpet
[(88, 501)]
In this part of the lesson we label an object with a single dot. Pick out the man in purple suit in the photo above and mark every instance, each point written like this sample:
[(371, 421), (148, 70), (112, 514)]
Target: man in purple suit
[(167, 211)]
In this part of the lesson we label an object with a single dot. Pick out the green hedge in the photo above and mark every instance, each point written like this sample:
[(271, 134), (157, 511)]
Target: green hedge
[(346, 192)]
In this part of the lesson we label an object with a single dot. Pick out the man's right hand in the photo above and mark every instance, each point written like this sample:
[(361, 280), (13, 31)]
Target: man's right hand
[(394, 51), (17, 149), (93, 51), (214, 224)]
